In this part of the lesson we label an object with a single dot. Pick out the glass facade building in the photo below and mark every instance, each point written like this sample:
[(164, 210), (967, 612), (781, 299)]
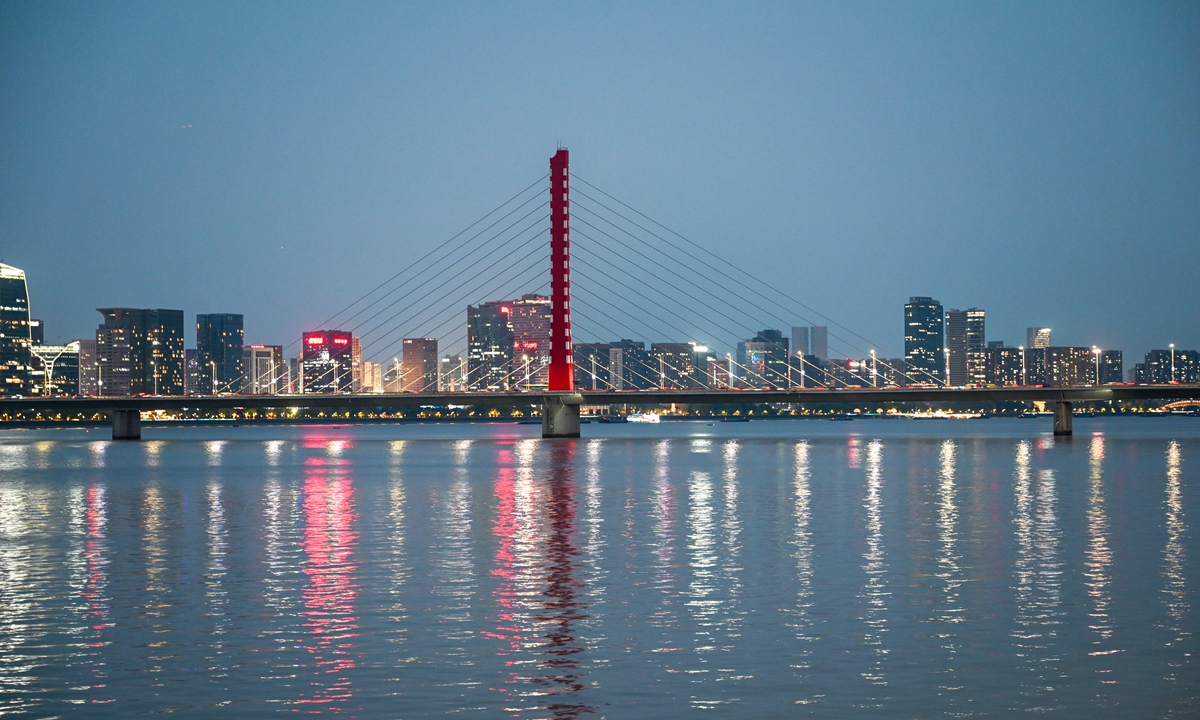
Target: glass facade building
[(326, 362), (16, 361), (220, 341), (489, 346), (965, 342), (925, 341)]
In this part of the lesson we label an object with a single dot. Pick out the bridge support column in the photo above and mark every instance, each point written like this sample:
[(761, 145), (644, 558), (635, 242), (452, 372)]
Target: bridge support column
[(560, 416), (127, 424), (1062, 418)]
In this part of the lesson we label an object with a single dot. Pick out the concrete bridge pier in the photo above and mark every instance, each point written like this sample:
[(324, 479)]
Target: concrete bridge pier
[(560, 416), (1062, 419), (127, 424)]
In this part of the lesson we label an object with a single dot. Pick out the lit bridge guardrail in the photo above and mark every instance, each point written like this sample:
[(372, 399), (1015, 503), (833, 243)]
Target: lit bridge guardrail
[(560, 411)]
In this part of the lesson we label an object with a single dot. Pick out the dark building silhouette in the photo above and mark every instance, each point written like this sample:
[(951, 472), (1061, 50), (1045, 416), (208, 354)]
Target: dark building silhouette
[(965, 342), (924, 341), (591, 366), (16, 362), (220, 339), (629, 365), (1112, 367), (763, 360), (489, 346)]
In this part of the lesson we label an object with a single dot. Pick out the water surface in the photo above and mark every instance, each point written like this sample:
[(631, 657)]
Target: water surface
[(769, 569)]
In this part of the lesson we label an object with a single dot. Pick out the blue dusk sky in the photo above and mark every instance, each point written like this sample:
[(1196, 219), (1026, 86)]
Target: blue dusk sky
[(1037, 160)]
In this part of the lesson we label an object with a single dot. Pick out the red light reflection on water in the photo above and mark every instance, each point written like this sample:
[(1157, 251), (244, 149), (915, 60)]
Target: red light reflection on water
[(328, 541), (550, 633)]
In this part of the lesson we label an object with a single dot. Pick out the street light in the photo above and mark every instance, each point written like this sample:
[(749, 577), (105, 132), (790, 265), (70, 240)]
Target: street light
[(1096, 352), (1172, 362), (874, 370), (1022, 349)]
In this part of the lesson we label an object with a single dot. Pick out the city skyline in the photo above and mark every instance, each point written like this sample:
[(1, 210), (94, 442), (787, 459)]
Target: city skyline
[(989, 156)]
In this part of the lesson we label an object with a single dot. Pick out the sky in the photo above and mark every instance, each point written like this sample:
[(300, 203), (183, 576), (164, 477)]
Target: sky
[(1037, 160)]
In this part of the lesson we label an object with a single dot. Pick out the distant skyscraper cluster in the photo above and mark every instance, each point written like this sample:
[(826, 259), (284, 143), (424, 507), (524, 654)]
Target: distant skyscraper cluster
[(139, 351)]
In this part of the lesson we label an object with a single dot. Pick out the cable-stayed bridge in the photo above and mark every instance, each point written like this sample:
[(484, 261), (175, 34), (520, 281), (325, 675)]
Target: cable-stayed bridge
[(615, 274)]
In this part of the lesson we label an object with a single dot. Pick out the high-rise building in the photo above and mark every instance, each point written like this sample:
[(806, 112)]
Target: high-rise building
[(965, 341), (118, 356), (419, 367), (372, 377), (37, 331), (219, 345), (16, 362), (531, 340), (162, 353), (55, 369), (1069, 366), (265, 370), (811, 340), (453, 374), (762, 361), (356, 364), (591, 366), (673, 365), (924, 341), (1002, 366), (191, 371), (1037, 337), (720, 374), (325, 362), (489, 346), (1171, 365), (87, 367), (1112, 367), (629, 366), (393, 377), (800, 340)]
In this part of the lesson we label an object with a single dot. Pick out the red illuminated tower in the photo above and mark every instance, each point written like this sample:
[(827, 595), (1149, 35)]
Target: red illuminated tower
[(562, 371)]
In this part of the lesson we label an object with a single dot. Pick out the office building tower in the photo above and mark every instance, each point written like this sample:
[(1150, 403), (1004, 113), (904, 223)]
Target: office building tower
[(489, 346), (325, 362), (116, 361), (1002, 366), (191, 371), (591, 366), (419, 366), (219, 346), (1171, 365), (762, 361), (16, 362), (818, 341), (162, 353), (55, 369), (1068, 366), (531, 340), (453, 374), (294, 376), (800, 340), (372, 377), (1111, 367), (924, 341), (87, 367), (265, 371), (629, 366), (1037, 337), (393, 376), (356, 364), (965, 341), (37, 332), (673, 365), (1033, 366)]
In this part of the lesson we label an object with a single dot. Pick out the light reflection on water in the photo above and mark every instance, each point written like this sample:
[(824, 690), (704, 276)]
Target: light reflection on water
[(617, 577)]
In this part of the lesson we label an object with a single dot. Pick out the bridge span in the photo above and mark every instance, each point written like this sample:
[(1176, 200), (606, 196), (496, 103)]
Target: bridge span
[(560, 410)]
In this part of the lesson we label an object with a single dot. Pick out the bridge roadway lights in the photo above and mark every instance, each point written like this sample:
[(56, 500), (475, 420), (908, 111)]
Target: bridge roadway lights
[(560, 416), (127, 424), (1062, 419)]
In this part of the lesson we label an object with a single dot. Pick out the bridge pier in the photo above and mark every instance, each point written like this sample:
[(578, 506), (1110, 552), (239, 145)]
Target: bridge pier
[(1063, 416), (560, 416), (127, 425)]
